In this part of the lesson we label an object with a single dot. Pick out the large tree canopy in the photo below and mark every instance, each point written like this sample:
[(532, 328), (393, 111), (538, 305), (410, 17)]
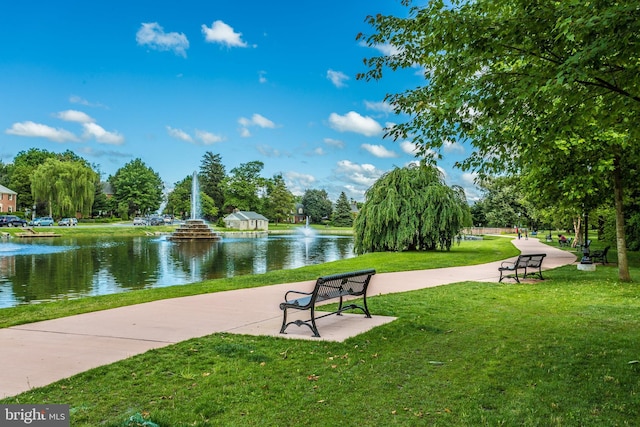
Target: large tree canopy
[(317, 205), (410, 208), (138, 189), (547, 89), (68, 187)]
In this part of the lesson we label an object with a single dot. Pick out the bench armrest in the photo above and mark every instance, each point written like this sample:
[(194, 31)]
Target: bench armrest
[(286, 296), (508, 264)]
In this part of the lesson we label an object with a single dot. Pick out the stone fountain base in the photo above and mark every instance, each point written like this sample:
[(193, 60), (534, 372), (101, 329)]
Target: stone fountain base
[(194, 229)]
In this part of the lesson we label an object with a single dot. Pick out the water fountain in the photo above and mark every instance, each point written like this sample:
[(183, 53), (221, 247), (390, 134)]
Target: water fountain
[(307, 231), (194, 228)]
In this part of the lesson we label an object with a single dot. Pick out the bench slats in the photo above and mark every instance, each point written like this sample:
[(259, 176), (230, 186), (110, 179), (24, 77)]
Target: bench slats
[(336, 286)]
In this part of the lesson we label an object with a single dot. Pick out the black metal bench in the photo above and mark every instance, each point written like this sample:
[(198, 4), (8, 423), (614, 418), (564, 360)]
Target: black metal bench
[(336, 286), (523, 262), (600, 256)]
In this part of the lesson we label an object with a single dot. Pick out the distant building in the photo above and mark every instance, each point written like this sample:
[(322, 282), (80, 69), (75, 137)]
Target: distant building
[(243, 220), (107, 189), (8, 200), (299, 215)]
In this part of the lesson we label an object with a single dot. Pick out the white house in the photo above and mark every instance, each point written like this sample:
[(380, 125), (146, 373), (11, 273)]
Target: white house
[(242, 220)]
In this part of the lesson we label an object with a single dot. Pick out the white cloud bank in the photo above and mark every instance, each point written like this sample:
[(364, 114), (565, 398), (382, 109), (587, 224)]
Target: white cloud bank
[(255, 120), (74, 116), (92, 130), (223, 34), (354, 122), (151, 34), (338, 78), (201, 137), (37, 130), (379, 151)]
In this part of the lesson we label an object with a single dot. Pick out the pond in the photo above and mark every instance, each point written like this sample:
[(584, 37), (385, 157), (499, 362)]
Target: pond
[(60, 268)]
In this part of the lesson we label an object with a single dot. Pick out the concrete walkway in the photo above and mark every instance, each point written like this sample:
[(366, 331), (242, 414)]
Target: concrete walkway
[(37, 354)]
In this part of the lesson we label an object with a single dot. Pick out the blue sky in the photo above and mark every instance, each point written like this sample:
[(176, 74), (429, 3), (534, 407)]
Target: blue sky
[(167, 81)]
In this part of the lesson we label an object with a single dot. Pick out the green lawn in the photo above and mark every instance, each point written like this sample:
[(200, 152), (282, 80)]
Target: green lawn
[(468, 253), (559, 352)]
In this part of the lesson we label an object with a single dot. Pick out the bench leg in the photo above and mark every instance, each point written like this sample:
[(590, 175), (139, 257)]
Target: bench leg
[(284, 321), (313, 326), (516, 275), (366, 307)]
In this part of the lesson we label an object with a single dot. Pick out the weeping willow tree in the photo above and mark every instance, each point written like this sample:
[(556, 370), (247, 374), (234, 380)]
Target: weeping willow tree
[(410, 208), (67, 187)]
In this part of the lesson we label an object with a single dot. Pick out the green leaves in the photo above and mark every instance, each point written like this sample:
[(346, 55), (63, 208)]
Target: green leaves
[(410, 209)]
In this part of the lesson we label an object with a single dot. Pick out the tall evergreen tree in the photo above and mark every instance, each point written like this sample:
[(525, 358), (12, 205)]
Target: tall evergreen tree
[(212, 175), (279, 202), (342, 216)]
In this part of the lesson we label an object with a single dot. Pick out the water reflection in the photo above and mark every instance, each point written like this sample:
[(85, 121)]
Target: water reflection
[(35, 271)]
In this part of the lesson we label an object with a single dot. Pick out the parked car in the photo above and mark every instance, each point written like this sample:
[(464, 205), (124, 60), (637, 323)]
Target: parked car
[(12, 221), (34, 221), (44, 221), (168, 219), (156, 220), (68, 222), (139, 221)]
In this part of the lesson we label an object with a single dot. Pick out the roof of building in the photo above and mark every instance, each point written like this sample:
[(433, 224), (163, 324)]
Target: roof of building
[(5, 190), (246, 216)]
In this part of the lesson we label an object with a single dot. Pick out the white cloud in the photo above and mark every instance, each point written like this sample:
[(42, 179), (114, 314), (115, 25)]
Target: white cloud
[(74, 116), (453, 147), (334, 142), (268, 151), (298, 182), (262, 121), (74, 99), (319, 151), (469, 178), (338, 78), (151, 34), (208, 138), (354, 122), (379, 151), (223, 34), (37, 130), (262, 77), (409, 147), (92, 130), (360, 174), (179, 134), (379, 107), (255, 120), (386, 49)]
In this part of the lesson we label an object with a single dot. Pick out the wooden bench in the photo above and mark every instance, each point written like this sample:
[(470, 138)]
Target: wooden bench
[(523, 262), (336, 286)]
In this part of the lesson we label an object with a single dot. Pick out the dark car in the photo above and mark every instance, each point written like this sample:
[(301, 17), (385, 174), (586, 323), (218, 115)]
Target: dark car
[(12, 221), (156, 220)]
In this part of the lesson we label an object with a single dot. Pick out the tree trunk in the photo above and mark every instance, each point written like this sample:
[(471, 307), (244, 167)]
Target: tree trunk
[(621, 243), (577, 230)]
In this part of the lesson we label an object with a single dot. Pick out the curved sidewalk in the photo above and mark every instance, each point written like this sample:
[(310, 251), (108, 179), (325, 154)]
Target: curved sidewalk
[(38, 354)]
